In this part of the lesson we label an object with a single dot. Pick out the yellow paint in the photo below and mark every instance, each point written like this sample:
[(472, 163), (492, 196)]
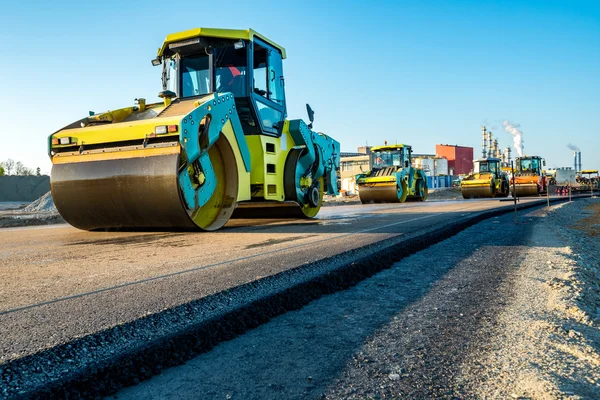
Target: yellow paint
[(387, 147), (243, 175), (485, 181), (378, 179), (257, 145), (74, 157), (244, 34), (111, 133), (305, 181)]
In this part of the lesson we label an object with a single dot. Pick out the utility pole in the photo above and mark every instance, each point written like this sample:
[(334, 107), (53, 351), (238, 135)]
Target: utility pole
[(512, 167)]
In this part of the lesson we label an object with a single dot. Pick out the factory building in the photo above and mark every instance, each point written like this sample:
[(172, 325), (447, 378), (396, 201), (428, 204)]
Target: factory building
[(460, 158)]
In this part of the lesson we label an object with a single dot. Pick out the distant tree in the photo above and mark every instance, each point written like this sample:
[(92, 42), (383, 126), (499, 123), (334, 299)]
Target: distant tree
[(1, 170), (9, 166), (22, 170), (38, 171)]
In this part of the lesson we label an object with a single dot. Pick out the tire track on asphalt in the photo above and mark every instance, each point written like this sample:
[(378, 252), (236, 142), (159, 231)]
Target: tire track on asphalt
[(203, 267)]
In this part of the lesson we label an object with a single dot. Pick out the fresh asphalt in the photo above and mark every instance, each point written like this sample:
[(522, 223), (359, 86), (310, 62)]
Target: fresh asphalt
[(59, 285)]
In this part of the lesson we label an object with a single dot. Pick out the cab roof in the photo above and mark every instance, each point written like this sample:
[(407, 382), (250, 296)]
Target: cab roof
[(389, 147), (488, 159), (247, 34)]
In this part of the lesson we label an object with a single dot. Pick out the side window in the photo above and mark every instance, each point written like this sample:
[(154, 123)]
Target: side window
[(275, 77), (260, 70), (269, 116)]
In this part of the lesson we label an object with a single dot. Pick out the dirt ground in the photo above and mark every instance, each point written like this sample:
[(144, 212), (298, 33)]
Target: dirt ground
[(501, 310)]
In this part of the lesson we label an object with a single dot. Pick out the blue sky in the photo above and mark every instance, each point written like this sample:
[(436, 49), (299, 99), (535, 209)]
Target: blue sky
[(409, 71)]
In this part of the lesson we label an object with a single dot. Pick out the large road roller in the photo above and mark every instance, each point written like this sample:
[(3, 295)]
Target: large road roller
[(486, 180), (218, 141), (529, 178), (392, 178)]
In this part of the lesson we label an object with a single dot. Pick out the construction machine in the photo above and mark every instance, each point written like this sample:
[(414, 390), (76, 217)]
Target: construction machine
[(219, 140), (486, 180), (529, 178), (392, 179)]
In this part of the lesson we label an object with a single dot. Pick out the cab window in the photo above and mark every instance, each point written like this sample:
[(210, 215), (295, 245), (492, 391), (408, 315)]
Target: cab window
[(230, 70), (260, 70), (195, 76), (267, 87)]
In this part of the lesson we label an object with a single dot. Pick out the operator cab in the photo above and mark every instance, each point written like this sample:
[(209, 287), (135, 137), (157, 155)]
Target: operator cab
[(530, 164), (390, 156), (488, 165), (250, 69)]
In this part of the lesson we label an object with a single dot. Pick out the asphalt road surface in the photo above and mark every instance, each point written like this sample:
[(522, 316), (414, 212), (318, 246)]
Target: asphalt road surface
[(58, 283)]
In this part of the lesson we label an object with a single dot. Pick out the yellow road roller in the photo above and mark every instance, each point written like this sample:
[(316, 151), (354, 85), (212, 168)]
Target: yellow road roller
[(392, 178), (218, 142), (529, 179), (486, 180)]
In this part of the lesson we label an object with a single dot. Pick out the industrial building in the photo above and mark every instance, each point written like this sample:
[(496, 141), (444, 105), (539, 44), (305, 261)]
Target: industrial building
[(460, 158)]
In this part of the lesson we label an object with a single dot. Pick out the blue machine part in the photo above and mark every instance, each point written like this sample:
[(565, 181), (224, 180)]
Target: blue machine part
[(217, 111), (321, 158)]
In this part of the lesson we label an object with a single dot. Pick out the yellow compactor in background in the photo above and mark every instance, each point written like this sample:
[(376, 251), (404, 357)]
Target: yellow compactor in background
[(486, 180), (392, 179), (529, 178), (219, 140)]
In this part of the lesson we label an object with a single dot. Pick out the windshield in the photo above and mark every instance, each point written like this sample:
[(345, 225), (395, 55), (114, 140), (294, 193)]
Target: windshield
[(229, 72), (195, 76), (381, 159), (530, 164), (487, 166)]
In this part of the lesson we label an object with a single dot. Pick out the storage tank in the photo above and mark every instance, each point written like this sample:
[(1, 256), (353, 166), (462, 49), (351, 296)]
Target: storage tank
[(441, 166), (426, 164)]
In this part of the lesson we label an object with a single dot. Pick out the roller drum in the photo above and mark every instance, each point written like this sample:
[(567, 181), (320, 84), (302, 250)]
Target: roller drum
[(379, 194), (526, 190), (141, 193), (476, 192), (126, 193)]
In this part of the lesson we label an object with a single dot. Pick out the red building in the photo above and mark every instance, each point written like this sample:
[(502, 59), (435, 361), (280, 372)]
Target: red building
[(460, 158)]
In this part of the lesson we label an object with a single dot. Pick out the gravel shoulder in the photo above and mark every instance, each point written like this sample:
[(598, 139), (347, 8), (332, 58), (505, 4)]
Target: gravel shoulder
[(500, 310), (39, 212)]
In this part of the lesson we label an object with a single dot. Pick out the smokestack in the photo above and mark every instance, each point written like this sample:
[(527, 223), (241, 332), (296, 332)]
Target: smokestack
[(496, 151), (575, 160), (490, 145), (483, 141), (579, 156), (508, 151)]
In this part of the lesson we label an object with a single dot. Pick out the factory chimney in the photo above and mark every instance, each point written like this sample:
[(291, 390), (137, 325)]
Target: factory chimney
[(490, 145), (496, 150), (575, 160), (507, 151), (483, 141), (579, 156)]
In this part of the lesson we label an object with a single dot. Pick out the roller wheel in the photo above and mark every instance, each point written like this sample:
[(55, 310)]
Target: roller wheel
[(422, 190), (315, 192), (315, 200), (217, 211), (402, 192)]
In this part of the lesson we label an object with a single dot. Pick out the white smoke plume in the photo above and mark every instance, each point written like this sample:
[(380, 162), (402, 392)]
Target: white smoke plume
[(573, 147), (517, 135)]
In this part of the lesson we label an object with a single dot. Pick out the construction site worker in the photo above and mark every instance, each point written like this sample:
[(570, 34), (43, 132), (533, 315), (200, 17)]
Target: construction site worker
[(227, 79)]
